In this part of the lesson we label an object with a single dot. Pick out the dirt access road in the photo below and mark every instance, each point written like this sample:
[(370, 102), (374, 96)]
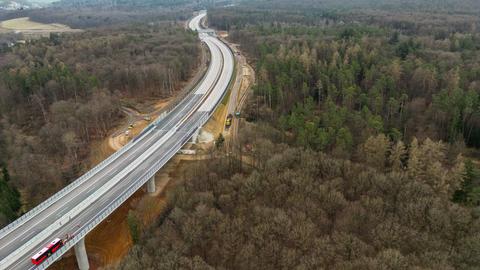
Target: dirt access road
[(245, 79)]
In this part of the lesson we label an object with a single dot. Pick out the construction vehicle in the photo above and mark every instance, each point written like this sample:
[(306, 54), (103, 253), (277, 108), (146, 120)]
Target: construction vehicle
[(228, 122)]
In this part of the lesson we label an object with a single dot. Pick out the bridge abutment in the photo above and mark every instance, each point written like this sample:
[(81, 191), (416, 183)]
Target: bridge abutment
[(151, 185), (81, 255), (195, 136)]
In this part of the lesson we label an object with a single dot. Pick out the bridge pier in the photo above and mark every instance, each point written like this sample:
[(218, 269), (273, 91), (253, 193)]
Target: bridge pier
[(81, 255), (151, 185)]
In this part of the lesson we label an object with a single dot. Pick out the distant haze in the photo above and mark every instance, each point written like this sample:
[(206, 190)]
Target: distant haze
[(28, 1), (44, 1)]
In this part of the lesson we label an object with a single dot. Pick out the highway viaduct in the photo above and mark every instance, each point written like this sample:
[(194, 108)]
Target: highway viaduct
[(81, 206)]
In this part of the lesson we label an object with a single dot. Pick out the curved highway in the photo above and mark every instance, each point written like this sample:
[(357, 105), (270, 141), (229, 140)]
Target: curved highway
[(78, 208)]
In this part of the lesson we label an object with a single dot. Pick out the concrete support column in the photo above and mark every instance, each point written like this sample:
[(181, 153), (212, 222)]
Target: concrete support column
[(151, 185), (195, 135), (81, 254)]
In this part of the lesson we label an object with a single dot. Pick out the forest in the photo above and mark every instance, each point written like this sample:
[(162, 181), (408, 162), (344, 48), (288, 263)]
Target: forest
[(295, 208), (359, 150), (59, 95)]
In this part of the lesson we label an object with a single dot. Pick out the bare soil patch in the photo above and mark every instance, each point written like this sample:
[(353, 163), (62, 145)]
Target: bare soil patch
[(33, 29)]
